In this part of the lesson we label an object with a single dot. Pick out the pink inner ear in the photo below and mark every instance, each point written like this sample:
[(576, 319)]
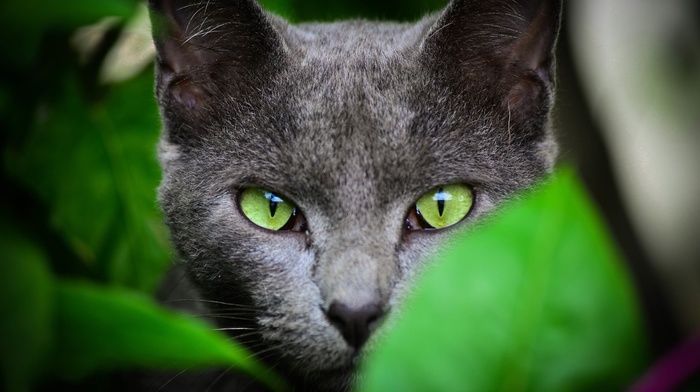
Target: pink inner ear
[(525, 91), (533, 50), (188, 94)]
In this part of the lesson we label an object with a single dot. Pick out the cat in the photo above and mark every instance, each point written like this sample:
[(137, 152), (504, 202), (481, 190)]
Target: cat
[(310, 170)]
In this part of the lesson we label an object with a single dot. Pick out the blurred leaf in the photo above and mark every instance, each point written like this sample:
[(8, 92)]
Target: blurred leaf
[(132, 52), (26, 309), (109, 328), (94, 165), (24, 22), (305, 10), (283, 8), (535, 301), (35, 14)]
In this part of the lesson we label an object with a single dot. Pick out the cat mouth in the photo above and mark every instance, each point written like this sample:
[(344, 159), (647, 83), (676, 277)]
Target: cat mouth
[(335, 373)]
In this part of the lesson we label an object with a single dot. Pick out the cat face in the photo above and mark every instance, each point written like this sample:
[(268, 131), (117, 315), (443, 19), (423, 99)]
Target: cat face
[(341, 129)]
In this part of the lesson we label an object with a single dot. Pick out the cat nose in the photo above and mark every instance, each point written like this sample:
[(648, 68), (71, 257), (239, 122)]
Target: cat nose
[(354, 324)]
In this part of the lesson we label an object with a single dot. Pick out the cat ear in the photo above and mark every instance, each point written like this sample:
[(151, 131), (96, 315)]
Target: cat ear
[(205, 45), (504, 44)]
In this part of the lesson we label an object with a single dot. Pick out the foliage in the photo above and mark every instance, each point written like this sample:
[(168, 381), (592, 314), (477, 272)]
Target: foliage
[(83, 244), (536, 300), (106, 328), (79, 206), (25, 303), (305, 10)]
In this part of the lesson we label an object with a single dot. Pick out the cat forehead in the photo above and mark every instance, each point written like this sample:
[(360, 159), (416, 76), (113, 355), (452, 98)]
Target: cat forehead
[(353, 40), (345, 89), (351, 61)]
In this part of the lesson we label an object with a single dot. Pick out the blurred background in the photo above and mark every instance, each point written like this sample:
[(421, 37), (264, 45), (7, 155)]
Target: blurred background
[(80, 123), (637, 63)]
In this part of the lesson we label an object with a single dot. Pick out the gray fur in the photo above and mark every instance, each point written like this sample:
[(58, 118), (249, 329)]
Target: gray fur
[(353, 122)]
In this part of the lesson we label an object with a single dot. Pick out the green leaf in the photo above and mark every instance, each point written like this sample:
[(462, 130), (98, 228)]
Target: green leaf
[(283, 8), (25, 308), (28, 21), (110, 328), (35, 14), (94, 165), (305, 10), (537, 300)]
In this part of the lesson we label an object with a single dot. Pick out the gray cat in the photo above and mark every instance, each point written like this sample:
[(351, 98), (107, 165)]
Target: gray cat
[(309, 170)]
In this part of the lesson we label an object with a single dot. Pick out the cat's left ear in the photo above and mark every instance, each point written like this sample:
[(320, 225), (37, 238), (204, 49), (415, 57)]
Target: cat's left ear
[(206, 46), (503, 44)]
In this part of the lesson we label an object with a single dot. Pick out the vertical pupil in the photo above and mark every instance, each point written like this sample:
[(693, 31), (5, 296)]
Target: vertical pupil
[(274, 201), (273, 208), (440, 201)]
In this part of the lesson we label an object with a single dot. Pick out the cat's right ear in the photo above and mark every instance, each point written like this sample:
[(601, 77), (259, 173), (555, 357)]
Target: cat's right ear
[(210, 47), (505, 47)]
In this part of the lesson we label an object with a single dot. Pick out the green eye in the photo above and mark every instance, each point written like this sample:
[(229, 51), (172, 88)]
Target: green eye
[(267, 209), (445, 205)]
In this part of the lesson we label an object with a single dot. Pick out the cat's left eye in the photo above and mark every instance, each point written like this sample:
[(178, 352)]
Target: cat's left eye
[(440, 207), (269, 210)]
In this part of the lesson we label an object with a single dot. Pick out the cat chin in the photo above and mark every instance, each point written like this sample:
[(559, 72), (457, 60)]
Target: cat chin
[(332, 368), (341, 379), (322, 358), (303, 375)]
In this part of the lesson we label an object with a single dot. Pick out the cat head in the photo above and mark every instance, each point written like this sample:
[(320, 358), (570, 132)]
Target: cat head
[(299, 162)]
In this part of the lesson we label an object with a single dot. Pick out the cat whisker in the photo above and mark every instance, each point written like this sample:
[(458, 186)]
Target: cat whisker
[(503, 28), (440, 28), (267, 370), (246, 342), (203, 31), (171, 379), (248, 316), (253, 331), (257, 344), (257, 355), (228, 317), (228, 311), (513, 15), (208, 301), (235, 329), (198, 9), (233, 310), (218, 378), (269, 350)]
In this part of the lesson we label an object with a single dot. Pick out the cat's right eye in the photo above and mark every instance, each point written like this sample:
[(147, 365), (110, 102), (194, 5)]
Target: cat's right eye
[(270, 211), (440, 207)]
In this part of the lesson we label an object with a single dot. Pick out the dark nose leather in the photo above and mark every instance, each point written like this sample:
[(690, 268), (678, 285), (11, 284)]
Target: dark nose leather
[(355, 324)]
